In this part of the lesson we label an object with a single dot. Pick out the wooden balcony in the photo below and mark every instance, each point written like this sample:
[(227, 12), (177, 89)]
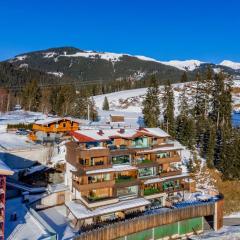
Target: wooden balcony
[(171, 173), (119, 183), (90, 186), (94, 167), (146, 163), (88, 153), (54, 129), (175, 158)]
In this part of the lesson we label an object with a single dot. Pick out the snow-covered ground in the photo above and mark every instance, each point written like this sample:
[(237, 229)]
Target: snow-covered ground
[(233, 215), (226, 233), (15, 117), (13, 142)]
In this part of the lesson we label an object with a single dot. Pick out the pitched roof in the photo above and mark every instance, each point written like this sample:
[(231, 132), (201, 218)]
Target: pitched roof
[(4, 169), (89, 135), (53, 120)]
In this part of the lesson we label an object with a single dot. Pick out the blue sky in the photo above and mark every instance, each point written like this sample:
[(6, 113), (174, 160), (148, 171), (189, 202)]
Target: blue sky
[(207, 30)]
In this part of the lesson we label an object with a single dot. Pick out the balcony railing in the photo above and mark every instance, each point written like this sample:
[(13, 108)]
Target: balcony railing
[(143, 161), (175, 158), (89, 186), (92, 199), (172, 172), (151, 191), (123, 178)]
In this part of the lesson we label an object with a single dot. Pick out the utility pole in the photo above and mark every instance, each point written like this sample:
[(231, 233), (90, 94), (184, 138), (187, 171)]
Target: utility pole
[(88, 112)]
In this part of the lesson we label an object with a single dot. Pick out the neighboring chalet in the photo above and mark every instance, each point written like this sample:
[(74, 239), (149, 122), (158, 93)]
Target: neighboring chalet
[(51, 129), (4, 171)]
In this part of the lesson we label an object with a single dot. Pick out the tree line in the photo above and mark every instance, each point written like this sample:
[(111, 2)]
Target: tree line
[(203, 121)]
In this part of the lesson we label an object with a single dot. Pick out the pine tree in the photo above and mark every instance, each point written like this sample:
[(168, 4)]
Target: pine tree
[(221, 101), (184, 77), (92, 108), (105, 104), (151, 104), (185, 124), (31, 96), (168, 115), (211, 148)]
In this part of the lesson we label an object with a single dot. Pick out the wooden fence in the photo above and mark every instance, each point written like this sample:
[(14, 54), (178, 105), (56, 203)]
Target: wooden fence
[(123, 228)]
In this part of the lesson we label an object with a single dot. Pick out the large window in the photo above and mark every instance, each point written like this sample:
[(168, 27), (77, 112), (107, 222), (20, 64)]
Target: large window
[(146, 172), (127, 191), (99, 178), (123, 159), (163, 155), (140, 142)]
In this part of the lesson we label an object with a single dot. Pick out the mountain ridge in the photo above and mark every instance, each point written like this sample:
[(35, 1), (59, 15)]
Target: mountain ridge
[(74, 65)]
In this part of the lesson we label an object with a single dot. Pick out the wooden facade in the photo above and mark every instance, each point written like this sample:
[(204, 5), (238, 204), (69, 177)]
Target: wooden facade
[(116, 118), (94, 161), (52, 126), (123, 228), (62, 125)]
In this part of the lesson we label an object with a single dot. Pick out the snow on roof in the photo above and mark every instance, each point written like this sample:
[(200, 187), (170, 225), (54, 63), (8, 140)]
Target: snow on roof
[(56, 119), (115, 168), (162, 149), (156, 180), (4, 169), (116, 115), (156, 132), (26, 226), (81, 212), (53, 188), (106, 134), (48, 121)]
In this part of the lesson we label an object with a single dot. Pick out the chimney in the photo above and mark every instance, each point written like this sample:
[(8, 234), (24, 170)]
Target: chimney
[(100, 132), (122, 130)]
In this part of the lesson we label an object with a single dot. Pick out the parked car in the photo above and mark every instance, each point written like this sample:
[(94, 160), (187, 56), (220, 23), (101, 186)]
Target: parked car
[(22, 131)]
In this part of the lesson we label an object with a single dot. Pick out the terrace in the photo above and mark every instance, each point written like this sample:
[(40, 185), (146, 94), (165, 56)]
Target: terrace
[(138, 221)]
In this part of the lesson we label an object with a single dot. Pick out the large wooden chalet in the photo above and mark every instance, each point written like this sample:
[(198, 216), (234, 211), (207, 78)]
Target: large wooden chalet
[(112, 172), (51, 129)]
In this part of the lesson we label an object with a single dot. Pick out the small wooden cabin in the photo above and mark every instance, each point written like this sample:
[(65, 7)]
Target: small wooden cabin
[(116, 118)]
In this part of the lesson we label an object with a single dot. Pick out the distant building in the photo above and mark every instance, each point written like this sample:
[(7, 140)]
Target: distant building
[(51, 129), (116, 118), (4, 171)]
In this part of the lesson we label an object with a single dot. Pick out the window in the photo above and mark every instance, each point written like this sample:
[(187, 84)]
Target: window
[(127, 191), (146, 172), (140, 142), (123, 159), (99, 178), (64, 125), (163, 155)]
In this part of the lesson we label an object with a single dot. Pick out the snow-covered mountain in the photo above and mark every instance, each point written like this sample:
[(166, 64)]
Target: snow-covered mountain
[(73, 65), (230, 64), (187, 65)]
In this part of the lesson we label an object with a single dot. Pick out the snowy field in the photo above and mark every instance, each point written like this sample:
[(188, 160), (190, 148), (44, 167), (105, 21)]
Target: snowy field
[(13, 142), (15, 117), (130, 101)]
